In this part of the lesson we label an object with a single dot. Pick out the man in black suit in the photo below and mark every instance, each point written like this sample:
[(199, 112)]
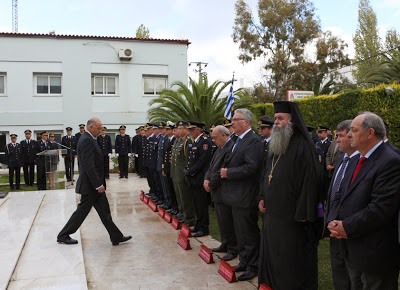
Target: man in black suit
[(212, 183), (342, 174), (240, 184), (29, 148), (91, 185), (368, 210), (70, 142)]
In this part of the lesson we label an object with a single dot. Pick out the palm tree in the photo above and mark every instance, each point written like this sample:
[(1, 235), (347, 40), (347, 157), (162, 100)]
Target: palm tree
[(197, 102), (388, 71)]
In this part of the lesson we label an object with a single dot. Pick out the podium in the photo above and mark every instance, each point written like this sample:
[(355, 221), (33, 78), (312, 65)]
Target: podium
[(52, 160)]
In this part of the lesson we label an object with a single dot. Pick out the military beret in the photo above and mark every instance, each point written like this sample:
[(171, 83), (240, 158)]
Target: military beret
[(13, 135), (227, 123), (28, 131), (104, 128), (322, 128), (81, 125), (262, 122), (68, 129), (122, 127), (52, 135), (195, 124)]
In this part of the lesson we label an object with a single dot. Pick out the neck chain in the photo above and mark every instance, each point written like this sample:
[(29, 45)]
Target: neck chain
[(272, 169)]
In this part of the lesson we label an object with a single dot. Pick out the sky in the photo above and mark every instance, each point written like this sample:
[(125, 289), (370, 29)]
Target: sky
[(207, 24)]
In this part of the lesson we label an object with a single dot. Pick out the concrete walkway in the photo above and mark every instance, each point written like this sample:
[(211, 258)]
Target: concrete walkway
[(152, 259)]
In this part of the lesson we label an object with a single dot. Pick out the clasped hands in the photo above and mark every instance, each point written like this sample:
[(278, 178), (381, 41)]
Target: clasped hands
[(337, 230)]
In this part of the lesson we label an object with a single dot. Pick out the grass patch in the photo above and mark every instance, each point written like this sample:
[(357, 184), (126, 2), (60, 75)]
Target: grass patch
[(324, 263), (61, 185)]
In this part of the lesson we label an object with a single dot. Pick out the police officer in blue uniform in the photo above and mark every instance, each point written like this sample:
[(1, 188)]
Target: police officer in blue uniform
[(123, 151), (13, 158), (69, 157), (29, 149), (104, 142)]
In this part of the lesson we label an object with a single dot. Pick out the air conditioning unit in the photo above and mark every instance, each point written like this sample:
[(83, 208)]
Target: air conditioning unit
[(125, 53)]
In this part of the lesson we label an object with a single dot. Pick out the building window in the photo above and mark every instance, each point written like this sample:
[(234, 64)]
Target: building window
[(48, 84), (2, 84), (154, 85), (104, 85)]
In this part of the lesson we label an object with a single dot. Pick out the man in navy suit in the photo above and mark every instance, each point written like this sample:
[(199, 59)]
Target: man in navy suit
[(239, 187), (91, 185), (341, 177), (368, 209)]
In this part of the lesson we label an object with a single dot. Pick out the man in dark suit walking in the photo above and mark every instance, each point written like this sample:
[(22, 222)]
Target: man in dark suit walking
[(341, 178), (240, 186), (91, 185), (212, 183), (368, 210)]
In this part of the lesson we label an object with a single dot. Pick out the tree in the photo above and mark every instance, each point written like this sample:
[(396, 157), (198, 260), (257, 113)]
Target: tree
[(388, 69), (322, 74), (366, 42), (142, 32), (198, 102), (283, 29)]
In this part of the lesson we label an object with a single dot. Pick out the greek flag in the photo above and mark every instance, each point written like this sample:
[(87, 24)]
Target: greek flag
[(230, 102)]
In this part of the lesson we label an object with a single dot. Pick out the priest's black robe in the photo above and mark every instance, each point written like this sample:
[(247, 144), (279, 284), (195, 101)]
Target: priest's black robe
[(288, 249)]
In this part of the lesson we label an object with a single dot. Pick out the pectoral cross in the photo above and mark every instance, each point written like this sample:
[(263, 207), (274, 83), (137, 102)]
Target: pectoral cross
[(269, 178)]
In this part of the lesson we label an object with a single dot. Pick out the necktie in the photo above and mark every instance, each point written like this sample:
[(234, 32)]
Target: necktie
[(358, 167), (236, 144), (339, 178)]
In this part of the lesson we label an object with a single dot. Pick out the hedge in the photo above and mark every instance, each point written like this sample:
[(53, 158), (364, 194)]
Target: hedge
[(330, 110)]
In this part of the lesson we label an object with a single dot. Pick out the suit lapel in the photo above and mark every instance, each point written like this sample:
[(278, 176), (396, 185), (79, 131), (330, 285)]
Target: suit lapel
[(239, 145), (369, 163)]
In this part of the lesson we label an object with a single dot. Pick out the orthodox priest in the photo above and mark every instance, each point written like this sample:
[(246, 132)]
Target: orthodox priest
[(289, 202)]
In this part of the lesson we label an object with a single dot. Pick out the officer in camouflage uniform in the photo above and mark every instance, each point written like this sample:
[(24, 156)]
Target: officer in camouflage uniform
[(180, 160)]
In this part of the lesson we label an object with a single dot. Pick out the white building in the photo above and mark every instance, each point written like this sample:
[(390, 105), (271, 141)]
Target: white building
[(49, 82)]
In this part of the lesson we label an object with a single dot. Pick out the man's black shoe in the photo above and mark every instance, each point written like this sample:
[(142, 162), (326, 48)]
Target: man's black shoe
[(121, 177), (194, 230), (107, 177), (200, 234), (229, 256), (248, 275), (239, 268), (68, 241), (220, 249), (126, 177), (160, 202), (121, 240)]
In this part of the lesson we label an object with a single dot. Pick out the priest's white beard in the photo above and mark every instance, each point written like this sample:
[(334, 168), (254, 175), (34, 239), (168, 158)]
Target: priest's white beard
[(280, 139)]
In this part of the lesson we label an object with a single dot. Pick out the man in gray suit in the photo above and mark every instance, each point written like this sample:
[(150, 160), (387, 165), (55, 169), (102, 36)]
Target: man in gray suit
[(212, 183), (239, 187), (91, 185)]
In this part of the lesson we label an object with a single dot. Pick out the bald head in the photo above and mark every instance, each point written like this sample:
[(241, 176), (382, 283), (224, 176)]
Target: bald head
[(220, 135), (94, 126)]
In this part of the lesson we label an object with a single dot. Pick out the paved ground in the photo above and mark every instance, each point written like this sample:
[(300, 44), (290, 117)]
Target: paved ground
[(152, 259)]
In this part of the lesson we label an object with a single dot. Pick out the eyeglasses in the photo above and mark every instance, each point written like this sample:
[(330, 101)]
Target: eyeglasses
[(237, 119)]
